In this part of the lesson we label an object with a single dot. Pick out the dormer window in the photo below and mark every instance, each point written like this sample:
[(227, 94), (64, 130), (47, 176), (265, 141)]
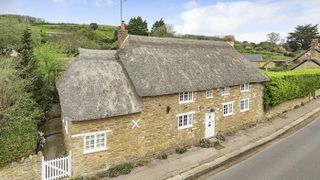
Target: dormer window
[(186, 97), (244, 87), (225, 91), (209, 94)]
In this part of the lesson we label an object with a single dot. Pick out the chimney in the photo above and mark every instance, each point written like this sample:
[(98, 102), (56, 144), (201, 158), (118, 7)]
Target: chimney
[(314, 46), (122, 34), (230, 39)]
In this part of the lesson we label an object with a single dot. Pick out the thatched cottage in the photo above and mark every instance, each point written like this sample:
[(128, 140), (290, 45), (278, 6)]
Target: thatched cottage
[(153, 95), (309, 59)]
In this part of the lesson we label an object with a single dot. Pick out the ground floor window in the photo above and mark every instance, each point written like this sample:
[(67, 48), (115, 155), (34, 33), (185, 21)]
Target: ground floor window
[(95, 142), (228, 109), (244, 105), (185, 120)]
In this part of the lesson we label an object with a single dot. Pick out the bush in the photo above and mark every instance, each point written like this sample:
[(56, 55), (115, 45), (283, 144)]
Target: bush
[(19, 116), (120, 169), (290, 85), (220, 136), (162, 156), (205, 143), (18, 130), (181, 150)]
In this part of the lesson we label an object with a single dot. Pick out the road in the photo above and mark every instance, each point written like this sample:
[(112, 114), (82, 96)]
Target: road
[(296, 157)]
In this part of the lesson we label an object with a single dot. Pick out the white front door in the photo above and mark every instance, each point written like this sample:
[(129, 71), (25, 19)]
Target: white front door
[(210, 125)]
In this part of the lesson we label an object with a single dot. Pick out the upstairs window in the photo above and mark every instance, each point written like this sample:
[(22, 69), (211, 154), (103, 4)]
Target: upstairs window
[(209, 94), (186, 97), (225, 91), (244, 87)]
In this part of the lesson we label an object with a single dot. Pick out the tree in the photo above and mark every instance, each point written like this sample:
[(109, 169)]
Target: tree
[(157, 25), (26, 61), (273, 37), (302, 36), (161, 29), (94, 26), (138, 26)]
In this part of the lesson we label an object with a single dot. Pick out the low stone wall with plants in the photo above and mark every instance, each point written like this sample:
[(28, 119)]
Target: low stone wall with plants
[(290, 85), (26, 168)]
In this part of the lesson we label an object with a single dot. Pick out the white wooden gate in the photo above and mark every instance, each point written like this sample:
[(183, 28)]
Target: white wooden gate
[(56, 168)]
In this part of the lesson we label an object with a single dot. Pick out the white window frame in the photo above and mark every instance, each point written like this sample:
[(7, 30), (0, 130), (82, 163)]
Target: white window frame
[(228, 106), (209, 94), (225, 91), (95, 139), (185, 97), (245, 87), (246, 105), (189, 118)]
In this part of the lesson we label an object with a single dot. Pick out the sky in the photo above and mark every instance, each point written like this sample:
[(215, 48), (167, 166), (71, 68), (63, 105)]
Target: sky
[(247, 20)]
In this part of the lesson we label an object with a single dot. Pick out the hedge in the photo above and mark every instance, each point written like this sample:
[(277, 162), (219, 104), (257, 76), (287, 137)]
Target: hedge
[(18, 130), (288, 85)]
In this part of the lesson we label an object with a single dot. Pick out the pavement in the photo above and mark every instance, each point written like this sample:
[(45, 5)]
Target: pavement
[(197, 161), (292, 158)]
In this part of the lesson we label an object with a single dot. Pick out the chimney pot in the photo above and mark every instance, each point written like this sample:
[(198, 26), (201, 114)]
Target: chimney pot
[(314, 46), (122, 34), (230, 39)]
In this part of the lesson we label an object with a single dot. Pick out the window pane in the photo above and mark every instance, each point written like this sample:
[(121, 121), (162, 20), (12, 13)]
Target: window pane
[(185, 120), (180, 121)]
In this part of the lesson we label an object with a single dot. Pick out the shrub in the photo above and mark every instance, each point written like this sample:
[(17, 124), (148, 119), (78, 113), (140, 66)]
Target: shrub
[(181, 150), (290, 85), (162, 156), (118, 170), (205, 143), (220, 136), (18, 131)]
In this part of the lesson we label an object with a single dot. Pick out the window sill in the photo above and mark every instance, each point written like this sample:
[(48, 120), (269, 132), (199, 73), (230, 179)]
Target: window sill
[(226, 115), (209, 97), (225, 94), (94, 151), (185, 127), (244, 110), (245, 91), (185, 102)]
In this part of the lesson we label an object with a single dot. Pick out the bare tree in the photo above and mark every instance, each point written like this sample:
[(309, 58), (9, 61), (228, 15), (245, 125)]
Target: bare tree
[(273, 37)]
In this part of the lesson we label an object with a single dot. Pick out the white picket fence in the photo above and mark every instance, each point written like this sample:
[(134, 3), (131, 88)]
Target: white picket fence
[(56, 168)]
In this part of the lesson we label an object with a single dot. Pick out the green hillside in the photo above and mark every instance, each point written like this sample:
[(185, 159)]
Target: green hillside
[(69, 36)]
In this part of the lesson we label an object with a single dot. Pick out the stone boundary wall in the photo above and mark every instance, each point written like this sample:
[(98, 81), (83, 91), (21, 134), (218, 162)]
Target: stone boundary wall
[(288, 105), (26, 168)]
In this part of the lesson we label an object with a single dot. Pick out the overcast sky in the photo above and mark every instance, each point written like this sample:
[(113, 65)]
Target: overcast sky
[(247, 20)]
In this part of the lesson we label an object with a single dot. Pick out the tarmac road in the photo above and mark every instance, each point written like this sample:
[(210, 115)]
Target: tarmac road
[(296, 157)]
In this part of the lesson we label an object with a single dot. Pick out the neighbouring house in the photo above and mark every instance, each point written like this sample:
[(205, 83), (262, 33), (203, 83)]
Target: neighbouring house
[(309, 59), (255, 59), (153, 95)]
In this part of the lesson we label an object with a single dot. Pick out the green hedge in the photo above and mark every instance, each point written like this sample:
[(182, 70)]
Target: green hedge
[(290, 85), (18, 130)]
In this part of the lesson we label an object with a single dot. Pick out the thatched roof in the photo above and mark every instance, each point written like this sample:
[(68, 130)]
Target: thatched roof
[(159, 66), (101, 84), (96, 86)]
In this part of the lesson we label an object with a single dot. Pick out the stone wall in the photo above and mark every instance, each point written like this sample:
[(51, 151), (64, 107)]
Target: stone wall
[(288, 105), (158, 128), (26, 168)]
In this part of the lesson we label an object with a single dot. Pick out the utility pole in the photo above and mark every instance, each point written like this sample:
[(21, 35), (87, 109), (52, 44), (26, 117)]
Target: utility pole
[(121, 18)]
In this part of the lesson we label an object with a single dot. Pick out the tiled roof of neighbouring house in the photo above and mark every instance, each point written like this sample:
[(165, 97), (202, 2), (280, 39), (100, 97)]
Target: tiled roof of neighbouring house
[(95, 86), (254, 58)]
